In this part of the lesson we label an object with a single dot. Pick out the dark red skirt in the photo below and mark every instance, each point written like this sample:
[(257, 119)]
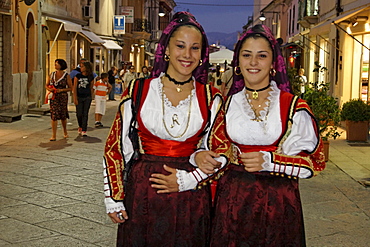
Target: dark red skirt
[(257, 209), (174, 219)]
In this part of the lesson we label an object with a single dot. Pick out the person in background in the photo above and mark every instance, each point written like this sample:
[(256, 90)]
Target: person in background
[(276, 141), (129, 76), (58, 85), (144, 72), (217, 81), (177, 113), (77, 70), (102, 88), (302, 81), (83, 92), (112, 81), (227, 80)]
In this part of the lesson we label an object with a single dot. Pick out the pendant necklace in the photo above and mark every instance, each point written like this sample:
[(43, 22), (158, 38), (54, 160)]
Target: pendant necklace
[(257, 116), (255, 91), (175, 118), (178, 83)]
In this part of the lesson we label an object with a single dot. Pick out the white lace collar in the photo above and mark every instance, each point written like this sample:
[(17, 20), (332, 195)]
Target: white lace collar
[(166, 101), (273, 98)]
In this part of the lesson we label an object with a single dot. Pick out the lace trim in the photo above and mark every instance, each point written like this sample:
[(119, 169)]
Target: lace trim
[(180, 180), (266, 163), (273, 94), (112, 206), (184, 102), (115, 209)]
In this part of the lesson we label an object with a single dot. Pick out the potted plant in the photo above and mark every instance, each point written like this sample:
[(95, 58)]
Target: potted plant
[(356, 113), (326, 110)]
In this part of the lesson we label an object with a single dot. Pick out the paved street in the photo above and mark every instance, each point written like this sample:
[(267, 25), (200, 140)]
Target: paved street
[(51, 192)]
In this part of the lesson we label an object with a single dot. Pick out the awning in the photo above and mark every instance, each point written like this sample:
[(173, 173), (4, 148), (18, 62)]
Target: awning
[(324, 27), (68, 26), (92, 37), (111, 45)]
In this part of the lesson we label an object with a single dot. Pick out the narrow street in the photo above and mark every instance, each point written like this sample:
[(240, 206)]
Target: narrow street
[(51, 193)]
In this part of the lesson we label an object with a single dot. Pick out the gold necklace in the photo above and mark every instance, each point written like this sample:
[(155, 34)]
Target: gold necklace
[(175, 117), (257, 116)]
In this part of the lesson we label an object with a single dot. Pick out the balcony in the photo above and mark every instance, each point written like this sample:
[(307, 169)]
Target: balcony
[(308, 13), (141, 29)]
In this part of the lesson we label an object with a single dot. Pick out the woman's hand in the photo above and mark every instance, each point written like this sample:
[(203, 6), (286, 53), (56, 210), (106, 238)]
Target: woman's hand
[(76, 101), (206, 162), (165, 183), (252, 161), (118, 217)]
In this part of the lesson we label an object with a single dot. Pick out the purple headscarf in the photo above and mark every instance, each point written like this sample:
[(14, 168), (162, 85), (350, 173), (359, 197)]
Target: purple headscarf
[(280, 77), (181, 19)]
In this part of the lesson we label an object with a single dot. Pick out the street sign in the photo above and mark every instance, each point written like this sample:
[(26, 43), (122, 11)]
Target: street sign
[(128, 12), (119, 24)]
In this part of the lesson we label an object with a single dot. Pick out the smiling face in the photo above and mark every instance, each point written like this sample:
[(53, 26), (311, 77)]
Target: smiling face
[(255, 61), (184, 50)]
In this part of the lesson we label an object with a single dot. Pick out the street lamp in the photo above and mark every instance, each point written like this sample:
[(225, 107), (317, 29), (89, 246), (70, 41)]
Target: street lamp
[(161, 12), (263, 17)]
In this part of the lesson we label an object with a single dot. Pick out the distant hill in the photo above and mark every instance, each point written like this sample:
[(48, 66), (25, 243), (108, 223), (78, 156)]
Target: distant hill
[(226, 39)]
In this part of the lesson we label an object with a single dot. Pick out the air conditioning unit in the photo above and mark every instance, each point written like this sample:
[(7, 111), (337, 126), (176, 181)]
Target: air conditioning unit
[(87, 11)]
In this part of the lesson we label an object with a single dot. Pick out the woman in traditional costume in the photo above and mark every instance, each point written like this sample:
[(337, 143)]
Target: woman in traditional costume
[(177, 112), (276, 142)]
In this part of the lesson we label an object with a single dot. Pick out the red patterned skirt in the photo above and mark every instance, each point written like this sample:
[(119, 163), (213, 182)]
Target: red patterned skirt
[(174, 219), (59, 107), (257, 209)]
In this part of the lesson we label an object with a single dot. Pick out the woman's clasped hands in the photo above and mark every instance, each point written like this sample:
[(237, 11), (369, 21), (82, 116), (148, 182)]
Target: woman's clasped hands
[(206, 162)]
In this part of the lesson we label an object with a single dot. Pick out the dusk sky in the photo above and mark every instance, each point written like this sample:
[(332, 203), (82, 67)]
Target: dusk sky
[(217, 15)]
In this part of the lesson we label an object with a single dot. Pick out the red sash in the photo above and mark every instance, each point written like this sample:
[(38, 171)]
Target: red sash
[(154, 145)]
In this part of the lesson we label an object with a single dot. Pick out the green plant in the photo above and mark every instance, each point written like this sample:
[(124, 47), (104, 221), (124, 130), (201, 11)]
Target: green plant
[(294, 81), (356, 110), (324, 106)]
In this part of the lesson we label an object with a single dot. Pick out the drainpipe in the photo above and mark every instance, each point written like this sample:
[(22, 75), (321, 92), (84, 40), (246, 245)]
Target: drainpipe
[(337, 55), (40, 48)]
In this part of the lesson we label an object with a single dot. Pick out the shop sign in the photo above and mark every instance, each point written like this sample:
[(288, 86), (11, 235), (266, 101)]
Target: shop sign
[(128, 12), (119, 24)]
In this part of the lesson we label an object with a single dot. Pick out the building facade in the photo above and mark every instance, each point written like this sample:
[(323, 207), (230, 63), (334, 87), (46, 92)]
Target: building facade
[(333, 33)]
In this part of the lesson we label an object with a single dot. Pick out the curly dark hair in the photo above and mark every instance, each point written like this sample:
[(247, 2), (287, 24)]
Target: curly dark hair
[(62, 63), (88, 67)]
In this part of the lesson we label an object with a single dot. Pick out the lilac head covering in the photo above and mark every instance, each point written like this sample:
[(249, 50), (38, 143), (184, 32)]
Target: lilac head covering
[(181, 19), (280, 77)]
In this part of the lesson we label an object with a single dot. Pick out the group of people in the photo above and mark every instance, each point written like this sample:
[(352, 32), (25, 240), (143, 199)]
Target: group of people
[(174, 135), (85, 85)]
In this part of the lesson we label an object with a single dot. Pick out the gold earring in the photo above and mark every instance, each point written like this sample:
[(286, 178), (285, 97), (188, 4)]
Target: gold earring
[(166, 57), (235, 70), (272, 72), (200, 62)]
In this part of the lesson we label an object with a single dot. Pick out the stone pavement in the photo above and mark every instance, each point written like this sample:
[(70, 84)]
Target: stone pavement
[(51, 192)]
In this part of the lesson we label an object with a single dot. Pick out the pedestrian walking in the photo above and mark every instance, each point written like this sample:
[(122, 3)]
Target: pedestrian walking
[(102, 88), (112, 81), (58, 85), (302, 82), (82, 95), (129, 76), (276, 141), (177, 112)]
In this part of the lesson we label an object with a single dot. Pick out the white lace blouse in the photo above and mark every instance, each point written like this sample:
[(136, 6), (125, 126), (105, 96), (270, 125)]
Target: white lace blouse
[(152, 116), (243, 130)]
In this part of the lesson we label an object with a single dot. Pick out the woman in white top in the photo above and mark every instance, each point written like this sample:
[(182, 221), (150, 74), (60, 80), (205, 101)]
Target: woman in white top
[(276, 141), (177, 112)]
